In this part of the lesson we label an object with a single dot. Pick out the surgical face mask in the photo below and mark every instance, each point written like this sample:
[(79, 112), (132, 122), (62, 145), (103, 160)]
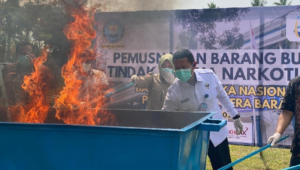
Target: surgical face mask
[(184, 74), (86, 67), (167, 74), (24, 60)]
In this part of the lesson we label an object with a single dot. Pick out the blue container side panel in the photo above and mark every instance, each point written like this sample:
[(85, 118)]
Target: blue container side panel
[(193, 150), (175, 152), (204, 149), (52, 150)]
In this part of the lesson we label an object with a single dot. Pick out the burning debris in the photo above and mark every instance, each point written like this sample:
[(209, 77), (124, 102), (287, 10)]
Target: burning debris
[(82, 96), (84, 88), (37, 85)]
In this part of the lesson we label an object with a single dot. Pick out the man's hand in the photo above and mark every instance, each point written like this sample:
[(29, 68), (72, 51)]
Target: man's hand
[(274, 139), (238, 126), (133, 78), (31, 56)]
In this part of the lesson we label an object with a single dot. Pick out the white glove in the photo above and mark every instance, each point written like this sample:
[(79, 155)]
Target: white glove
[(238, 124), (274, 139)]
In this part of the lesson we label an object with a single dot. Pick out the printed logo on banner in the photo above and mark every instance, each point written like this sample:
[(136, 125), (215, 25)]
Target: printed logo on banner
[(244, 137), (113, 31), (296, 31), (293, 26)]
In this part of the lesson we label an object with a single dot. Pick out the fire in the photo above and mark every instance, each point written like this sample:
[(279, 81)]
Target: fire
[(37, 85), (74, 105)]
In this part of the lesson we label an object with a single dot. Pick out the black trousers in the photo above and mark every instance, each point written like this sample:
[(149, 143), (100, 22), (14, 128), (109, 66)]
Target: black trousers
[(294, 161), (219, 156)]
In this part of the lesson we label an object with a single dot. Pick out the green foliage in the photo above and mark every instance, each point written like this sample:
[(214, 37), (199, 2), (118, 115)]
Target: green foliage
[(10, 17), (201, 25), (40, 23), (282, 2), (258, 2), (212, 5)]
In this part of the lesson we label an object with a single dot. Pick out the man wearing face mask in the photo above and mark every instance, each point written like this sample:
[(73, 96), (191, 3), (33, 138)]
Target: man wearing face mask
[(157, 84), (13, 74), (93, 81), (200, 90)]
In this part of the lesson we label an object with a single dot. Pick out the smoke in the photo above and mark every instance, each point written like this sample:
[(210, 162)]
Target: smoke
[(145, 5)]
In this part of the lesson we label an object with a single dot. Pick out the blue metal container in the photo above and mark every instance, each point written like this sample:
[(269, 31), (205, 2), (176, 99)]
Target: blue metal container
[(143, 140)]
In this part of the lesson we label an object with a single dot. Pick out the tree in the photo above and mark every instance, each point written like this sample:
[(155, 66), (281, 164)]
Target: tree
[(47, 22), (40, 23), (187, 40), (282, 2), (11, 16), (201, 26), (258, 2), (212, 5)]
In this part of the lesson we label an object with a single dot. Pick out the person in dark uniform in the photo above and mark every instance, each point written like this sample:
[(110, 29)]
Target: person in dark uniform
[(290, 107)]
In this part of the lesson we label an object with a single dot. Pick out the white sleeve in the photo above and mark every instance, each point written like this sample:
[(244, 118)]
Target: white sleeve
[(103, 79), (169, 103), (224, 99)]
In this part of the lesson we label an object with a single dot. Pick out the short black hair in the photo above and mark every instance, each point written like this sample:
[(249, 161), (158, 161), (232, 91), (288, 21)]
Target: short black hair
[(23, 44), (184, 53)]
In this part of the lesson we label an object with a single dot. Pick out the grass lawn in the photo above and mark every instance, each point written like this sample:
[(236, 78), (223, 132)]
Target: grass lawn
[(273, 158)]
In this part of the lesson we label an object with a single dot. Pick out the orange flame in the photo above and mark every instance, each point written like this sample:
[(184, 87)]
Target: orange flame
[(37, 85), (82, 90)]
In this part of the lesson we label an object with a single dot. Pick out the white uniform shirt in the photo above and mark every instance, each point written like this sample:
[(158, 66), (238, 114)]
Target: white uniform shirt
[(91, 86), (184, 97)]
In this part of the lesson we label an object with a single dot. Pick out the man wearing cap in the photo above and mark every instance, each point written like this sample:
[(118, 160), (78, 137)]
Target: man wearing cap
[(200, 90), (157, 84)]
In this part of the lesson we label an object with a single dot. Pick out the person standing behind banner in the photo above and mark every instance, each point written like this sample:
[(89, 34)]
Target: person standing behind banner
[(200, 90), (290, 107), (157, 84)]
